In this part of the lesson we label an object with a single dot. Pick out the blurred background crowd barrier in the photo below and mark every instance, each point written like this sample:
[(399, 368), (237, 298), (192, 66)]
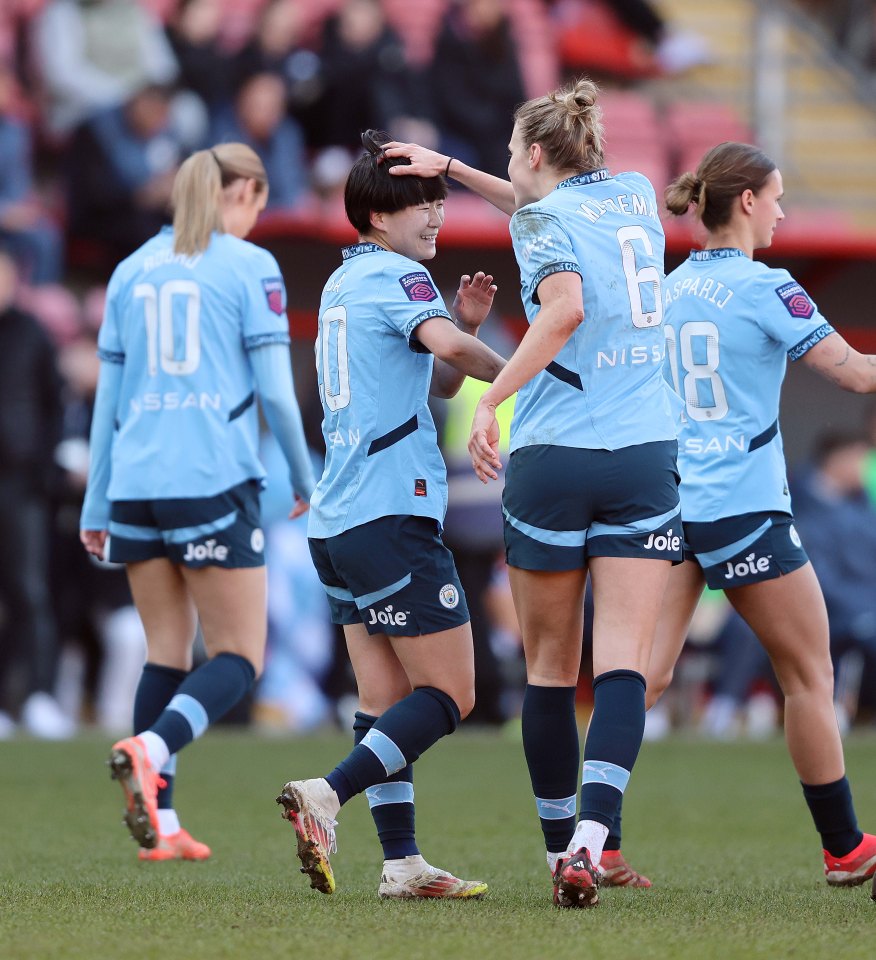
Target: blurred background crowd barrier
[(100, 101)]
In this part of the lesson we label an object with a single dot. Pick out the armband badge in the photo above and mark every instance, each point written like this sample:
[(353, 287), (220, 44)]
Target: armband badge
[(418, 287), (795, 299), (273, 288)]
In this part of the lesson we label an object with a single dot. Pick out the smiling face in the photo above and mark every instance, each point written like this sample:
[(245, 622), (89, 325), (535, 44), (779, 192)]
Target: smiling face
[(766, 211), (412, 231)]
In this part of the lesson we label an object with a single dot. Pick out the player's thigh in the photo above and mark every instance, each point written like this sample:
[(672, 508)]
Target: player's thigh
[(627, 597), (232, 608), (550, 611), (680, 600), (380, 676), (546, 508), (167, 610), (444, 660), (634, 538), (394, 575), (789, 617)]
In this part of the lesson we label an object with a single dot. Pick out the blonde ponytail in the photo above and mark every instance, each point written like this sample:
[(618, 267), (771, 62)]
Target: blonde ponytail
[(197, 192)]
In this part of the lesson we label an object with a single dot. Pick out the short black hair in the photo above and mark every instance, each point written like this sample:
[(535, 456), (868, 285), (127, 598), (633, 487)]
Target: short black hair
[(370, 185)]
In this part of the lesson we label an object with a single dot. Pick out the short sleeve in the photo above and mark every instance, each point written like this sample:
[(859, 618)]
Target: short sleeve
[(542, 247), (264, 301), (789, 315), (409, 298), (110, 346)]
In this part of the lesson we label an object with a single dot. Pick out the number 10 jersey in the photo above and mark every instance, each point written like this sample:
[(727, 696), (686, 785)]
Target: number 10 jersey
[(382, 457), (181, 326)]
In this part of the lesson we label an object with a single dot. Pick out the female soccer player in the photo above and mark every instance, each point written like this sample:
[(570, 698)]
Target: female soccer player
[(195, 326), (591, 481), (731, 324), (385, 341)]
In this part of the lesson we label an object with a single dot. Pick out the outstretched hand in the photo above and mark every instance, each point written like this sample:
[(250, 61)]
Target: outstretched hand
[(474, 298), (424, 162)]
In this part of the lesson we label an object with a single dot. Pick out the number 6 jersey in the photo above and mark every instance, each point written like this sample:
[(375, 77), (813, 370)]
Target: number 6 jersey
[(605, 389), (382, 456), (731, 324)]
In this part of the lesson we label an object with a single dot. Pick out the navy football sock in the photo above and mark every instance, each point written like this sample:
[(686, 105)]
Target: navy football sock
[(550, 743), (205, 696), (391, 802), (155, 690), (613, 840), (396, 739), (613, 743), (833, 811)]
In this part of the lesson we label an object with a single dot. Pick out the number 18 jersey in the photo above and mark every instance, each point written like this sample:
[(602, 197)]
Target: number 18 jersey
[(605, 389), (731, 325)]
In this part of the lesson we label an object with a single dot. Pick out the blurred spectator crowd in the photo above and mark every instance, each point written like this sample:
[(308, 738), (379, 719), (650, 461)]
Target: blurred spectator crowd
[(100, 101)]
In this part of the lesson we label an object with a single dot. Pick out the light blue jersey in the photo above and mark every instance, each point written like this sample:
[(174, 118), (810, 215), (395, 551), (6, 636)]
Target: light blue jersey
[(605, 389), (186, 420), (382, 456), (731, 324)]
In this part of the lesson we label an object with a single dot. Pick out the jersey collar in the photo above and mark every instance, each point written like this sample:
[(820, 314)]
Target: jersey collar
[(356, 248), (581, 179), (719, 253)]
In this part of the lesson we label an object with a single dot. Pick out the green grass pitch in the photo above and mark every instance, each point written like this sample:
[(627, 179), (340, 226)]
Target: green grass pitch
[(721, 829)]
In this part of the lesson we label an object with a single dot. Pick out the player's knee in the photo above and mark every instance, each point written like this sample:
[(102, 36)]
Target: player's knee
[(656, 687), (465, 701), (457, 703)]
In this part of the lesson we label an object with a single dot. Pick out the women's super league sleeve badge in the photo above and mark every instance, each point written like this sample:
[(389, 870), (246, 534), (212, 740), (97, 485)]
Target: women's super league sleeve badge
[(273, 287), (796, 300), (418, 287)]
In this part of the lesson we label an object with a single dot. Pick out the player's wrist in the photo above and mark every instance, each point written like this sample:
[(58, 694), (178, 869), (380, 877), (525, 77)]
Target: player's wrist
[(467, 326)]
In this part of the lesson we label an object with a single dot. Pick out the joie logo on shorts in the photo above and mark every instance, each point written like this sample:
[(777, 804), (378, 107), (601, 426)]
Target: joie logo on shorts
[(659, 541), (449, 596), (387, 617), (747, 567), (211, 550)]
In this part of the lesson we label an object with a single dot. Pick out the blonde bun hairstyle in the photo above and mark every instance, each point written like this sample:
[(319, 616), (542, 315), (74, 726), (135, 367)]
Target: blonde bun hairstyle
[(567, 123)]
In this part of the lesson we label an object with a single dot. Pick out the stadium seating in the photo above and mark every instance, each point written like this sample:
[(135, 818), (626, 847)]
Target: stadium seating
[(634, 138), (694, 126), (592, 39)]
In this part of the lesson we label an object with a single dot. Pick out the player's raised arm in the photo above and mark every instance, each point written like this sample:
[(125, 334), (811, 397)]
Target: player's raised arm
[(429, 163), (457, 351)]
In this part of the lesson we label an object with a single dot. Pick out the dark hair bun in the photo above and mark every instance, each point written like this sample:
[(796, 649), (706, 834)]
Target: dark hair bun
[(374, 141)]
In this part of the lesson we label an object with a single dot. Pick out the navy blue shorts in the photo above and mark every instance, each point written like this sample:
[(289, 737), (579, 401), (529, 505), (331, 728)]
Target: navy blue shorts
[(393, 574), (219, 531), (744, 549), (563, 505)]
